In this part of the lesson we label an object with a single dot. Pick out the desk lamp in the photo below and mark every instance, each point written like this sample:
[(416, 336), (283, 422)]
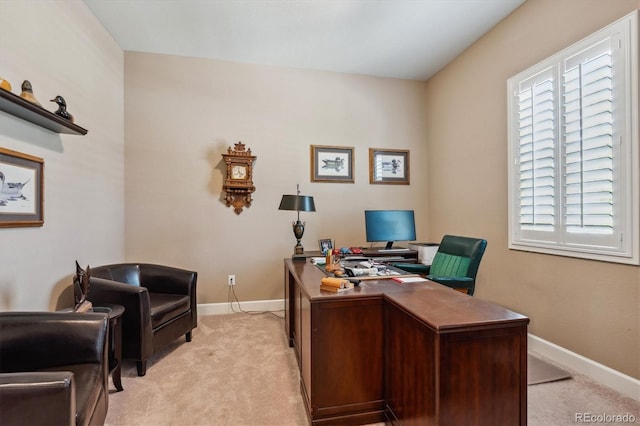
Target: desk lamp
[(298, 203)]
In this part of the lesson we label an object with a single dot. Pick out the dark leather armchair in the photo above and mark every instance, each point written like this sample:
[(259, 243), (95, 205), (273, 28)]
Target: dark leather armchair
[(53, 368), (455, 264), (159, 302)]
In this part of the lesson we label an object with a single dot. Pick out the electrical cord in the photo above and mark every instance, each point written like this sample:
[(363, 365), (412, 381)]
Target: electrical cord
[(232, 297)]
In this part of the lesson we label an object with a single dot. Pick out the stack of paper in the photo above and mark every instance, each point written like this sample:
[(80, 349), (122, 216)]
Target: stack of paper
[(409, 279)]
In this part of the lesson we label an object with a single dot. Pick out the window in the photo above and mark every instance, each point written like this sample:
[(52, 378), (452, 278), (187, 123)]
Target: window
[(574, 151)]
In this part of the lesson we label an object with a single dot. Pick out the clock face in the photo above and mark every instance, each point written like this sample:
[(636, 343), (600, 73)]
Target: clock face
[(238, 172)]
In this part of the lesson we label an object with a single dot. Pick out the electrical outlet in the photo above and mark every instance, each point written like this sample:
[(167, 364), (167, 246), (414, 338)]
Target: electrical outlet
[(231, 280)]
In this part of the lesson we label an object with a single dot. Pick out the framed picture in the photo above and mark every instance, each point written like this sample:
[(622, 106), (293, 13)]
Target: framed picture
[(325, 246), (21, 189), (389, 166), (331, 164)]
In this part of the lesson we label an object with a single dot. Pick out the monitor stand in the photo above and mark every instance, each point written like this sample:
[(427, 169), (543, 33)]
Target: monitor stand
[(388, 248)]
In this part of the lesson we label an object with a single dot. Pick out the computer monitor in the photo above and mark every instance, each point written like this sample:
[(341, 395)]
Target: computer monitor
[(389, 226)]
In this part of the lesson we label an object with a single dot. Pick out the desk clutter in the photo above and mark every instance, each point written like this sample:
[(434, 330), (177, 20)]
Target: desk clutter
[(343, 275)]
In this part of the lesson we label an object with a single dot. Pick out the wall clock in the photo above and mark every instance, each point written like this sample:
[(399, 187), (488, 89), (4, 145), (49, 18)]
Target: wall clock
[(238, 182)]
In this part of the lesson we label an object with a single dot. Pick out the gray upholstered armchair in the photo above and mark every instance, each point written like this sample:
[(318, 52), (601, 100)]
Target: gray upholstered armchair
[(53, 368), (159, 302)]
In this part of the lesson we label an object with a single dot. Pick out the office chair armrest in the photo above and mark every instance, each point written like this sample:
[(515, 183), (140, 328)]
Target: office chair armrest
[(414, 268), (455, 282)]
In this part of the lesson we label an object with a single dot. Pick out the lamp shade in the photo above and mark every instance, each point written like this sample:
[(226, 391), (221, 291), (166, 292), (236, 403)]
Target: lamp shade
[(300, 203)]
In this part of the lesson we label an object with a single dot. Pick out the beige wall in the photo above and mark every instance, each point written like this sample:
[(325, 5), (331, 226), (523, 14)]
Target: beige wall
[(588, 307), (183, 113), (62, 49)]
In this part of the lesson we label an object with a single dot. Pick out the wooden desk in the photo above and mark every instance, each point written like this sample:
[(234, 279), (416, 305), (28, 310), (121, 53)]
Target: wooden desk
[(413, 353)]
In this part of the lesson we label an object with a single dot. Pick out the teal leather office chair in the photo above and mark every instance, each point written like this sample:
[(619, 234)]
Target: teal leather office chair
[(455, 264)]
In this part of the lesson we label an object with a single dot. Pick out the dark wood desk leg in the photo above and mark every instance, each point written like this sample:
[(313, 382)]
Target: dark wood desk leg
[(117, 354)]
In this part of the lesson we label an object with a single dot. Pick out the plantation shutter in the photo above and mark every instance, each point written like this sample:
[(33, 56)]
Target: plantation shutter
[(536, 152), (588, 169), (574, 139)]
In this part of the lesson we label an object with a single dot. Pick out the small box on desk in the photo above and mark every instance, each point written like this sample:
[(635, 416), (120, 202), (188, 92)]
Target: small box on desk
[(426, 251)]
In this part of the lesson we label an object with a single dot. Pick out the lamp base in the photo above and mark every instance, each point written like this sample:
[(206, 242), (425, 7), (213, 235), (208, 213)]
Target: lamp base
[(298, 231)]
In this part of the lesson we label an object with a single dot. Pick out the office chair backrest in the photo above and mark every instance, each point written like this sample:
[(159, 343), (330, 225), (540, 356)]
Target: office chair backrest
[(458, 257)]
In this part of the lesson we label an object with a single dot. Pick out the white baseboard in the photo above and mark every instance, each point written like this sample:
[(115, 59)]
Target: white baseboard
[(253, 306), (597, 372)]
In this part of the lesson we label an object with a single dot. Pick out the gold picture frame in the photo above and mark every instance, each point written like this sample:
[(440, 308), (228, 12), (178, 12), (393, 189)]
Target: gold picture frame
[(21, 189), (389, 166), (332, 164)]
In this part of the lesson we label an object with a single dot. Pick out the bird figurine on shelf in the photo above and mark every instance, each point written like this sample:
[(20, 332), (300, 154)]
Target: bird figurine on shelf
[(27, 93), (4, 84), (62, 108)]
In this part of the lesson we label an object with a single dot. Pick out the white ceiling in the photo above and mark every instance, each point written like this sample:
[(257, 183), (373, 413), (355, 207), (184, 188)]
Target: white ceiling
[(410, 39)]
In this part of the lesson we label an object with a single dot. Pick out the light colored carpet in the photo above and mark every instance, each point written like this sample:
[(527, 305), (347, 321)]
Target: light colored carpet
[(571, 402), (540, 371), (239, 370)]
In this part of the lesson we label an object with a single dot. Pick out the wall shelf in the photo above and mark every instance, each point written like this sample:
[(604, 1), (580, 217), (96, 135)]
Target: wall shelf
[(15, 105)]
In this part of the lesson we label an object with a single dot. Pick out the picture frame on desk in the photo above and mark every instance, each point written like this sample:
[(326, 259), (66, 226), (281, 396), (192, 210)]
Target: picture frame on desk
[(21, 189), (389, 166), (326, 245), (332, 164)]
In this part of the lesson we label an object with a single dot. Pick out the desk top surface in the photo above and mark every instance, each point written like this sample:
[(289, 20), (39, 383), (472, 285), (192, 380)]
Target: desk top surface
[(441, 307)]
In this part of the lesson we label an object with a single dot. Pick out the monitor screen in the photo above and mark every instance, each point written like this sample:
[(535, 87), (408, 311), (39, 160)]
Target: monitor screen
[(389, 226)]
